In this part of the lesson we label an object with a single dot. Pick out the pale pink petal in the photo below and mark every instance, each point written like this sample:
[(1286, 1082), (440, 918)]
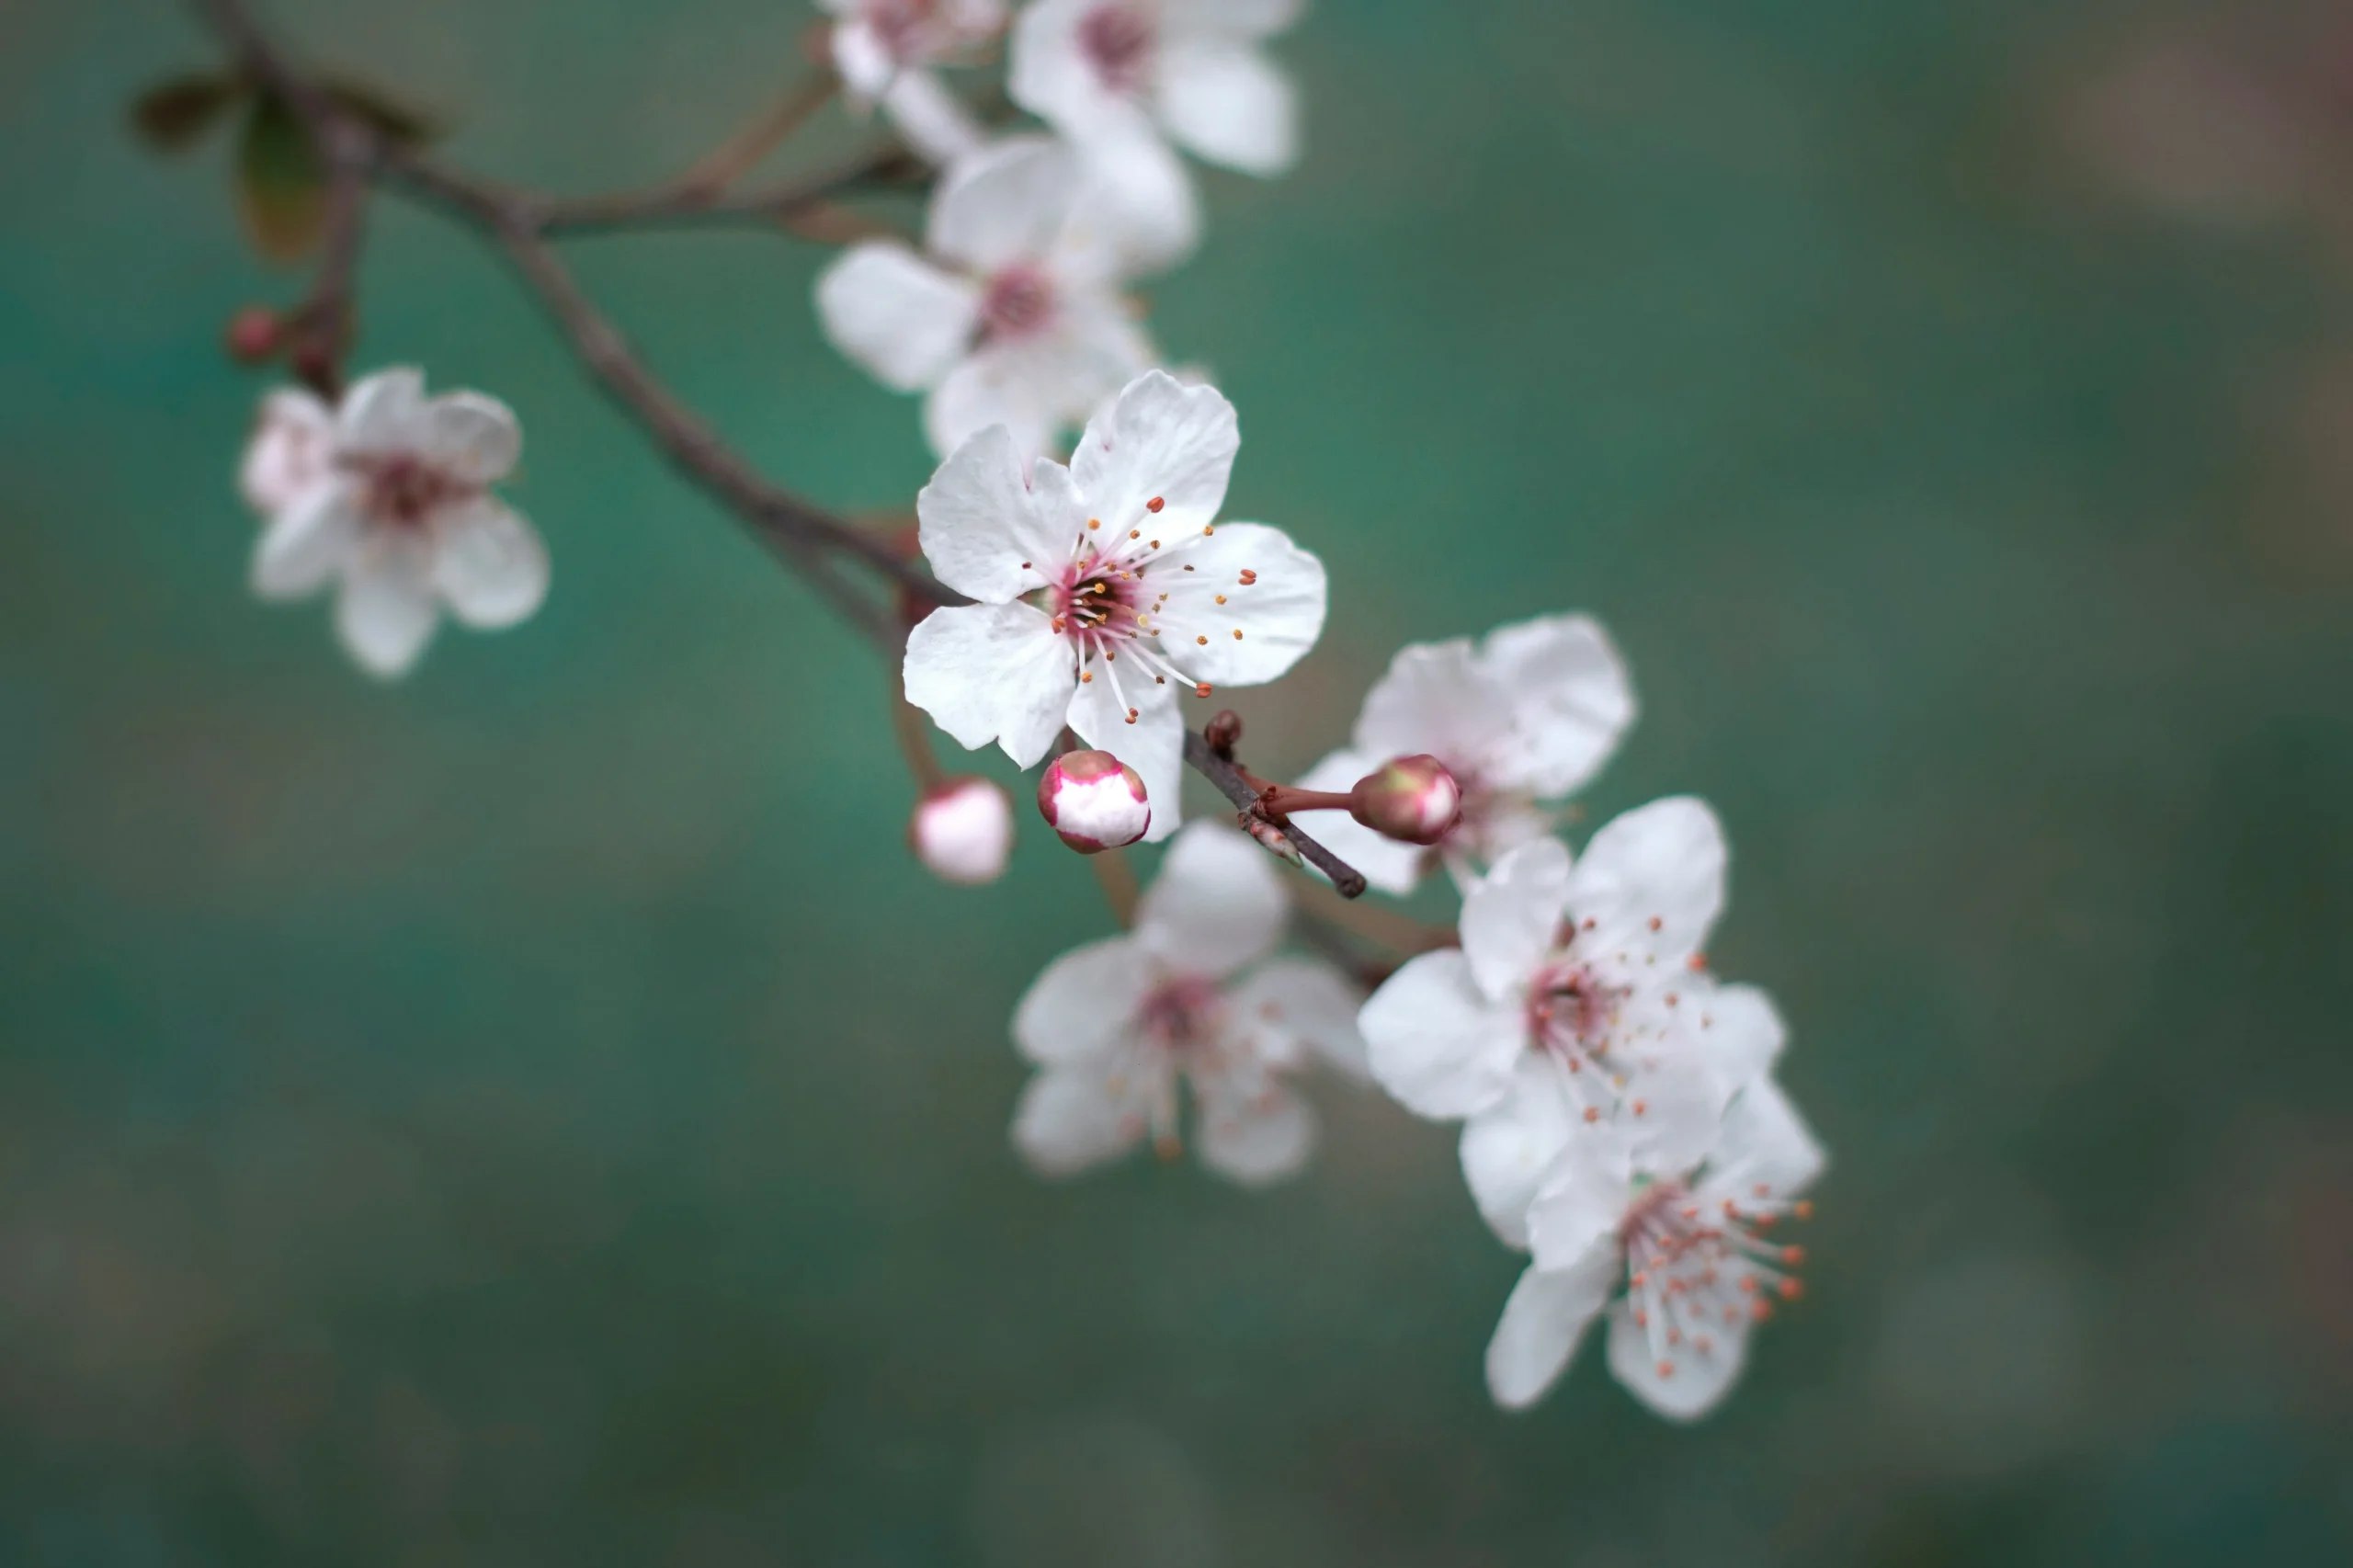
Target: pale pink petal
[(1250, 607), (1137, 210), (985, 532), (1069, 1120), (1216, 903), (1571, 700), (1389, 865), (308, 542), (865, 61), (1020, 385), (1228, 104), (489, 564), (1153, 744), (1679, 1381), (472, 437), (1256, 1139), (933, 122), (1652, 883), (1511, 917), (1764, 1142), (1049, 74), (1741, 1032), (1508, 1148), (291, 450), (1004, 204), (383, 413), (1436, 1042), (904, 320), (1161, 440), (992, 672), (1434, 698), (1307, 1000), (386, 612), (1082, 1007), (1581, 1199), (1542, 1320)]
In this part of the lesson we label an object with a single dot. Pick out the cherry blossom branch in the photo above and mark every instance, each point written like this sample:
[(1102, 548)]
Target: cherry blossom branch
[(320, 326), (1237, 787)]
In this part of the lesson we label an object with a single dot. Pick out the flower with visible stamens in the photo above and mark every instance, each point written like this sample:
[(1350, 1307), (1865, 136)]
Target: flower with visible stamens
[(1013, 316), (1188, 999), (1684, 1225), (884, 51), (389, 497), (1108, 590), (1526, 715), (1579, 995)]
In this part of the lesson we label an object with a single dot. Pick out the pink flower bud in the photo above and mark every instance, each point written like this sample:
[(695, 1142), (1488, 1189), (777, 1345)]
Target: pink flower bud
[(1409, 798), (963, 831), (253, 335), (1094, 801)]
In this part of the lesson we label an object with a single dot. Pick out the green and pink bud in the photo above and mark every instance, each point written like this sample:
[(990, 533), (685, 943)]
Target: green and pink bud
[(1414, 799)]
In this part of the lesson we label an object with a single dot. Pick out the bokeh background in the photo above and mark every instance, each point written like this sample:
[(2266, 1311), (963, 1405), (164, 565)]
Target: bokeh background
[(538, 1113)]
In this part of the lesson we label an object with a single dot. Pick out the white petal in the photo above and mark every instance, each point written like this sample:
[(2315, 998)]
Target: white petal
[(1741, 1032), (864, 59), (1653, 883), (1153, 745), (1265, 626), (1581, 1200), (905, 321), (1082, 1006), (1162, 439), (1765, 1142), (309, 542), (383, 413), (1309, 1000), (1434, 698), (1436, 1043), (1571, 701), (1004, 204), (1137, 210), (1511, 917), (386, 612), (1542, 1320), (1394, 866), (1228, 104), (1069, 1120), (1672, 1117), (1216, 904), (1508, 1148), (1257, 1139), (983, 528), (1676, 1381), (473, 438), (289, 452), (1040, 387), (992, 672), (489, 564), (931, 120), (1050, 74)]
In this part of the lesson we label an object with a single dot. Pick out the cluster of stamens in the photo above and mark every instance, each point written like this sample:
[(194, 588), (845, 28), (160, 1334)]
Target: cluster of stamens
[(1017, 302), (403, 490), (1699, 1268), (1571, 1016), (1182, 1022)]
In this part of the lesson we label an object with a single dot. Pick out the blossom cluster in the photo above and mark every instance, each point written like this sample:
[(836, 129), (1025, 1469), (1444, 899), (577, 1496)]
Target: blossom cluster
[(1620, 1122)]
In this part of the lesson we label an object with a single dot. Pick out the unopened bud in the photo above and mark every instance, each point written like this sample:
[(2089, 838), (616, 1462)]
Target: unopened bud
[(1272, 839), (1409, 798), (253, 335), (963, 831), (1093, 800), (1223, 729)]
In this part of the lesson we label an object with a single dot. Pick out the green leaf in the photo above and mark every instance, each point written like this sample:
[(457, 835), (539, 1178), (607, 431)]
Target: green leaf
[(173, 113), (396, 120), (281, 184)]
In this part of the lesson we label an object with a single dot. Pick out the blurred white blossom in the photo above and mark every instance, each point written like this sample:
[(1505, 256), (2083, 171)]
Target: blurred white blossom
[(884, 51), (1683, 1222), (1526, 715), (388, 497), (1012, 316), (1115, 1026), (1106, 590), (1578, 998)]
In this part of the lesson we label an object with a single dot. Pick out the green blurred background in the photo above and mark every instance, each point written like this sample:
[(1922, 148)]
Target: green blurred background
[(538, 1114)]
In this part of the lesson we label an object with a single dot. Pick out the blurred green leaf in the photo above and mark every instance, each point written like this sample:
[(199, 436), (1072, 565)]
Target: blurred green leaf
[(400, 121), (173, 113), (281, 183)]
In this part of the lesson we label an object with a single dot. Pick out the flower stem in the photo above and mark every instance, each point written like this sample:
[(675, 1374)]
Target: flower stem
[(1119, 880)]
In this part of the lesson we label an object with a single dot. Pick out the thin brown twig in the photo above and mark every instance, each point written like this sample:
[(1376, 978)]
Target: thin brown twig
[(1346, 881), (319, 329), (766, 132)]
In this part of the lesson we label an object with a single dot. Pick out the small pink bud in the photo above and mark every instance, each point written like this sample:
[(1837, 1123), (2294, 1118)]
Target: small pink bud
[(1272, 839), (253, 335), (963, 831), (1409, 798), (1093, 800)]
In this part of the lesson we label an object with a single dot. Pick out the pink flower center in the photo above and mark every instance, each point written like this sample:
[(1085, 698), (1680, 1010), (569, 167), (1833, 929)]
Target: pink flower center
[(1019, 303), (1698, 1266), (901, 25), (1117, 40), (402, 491), (1571, 1013), (1181, 1013)]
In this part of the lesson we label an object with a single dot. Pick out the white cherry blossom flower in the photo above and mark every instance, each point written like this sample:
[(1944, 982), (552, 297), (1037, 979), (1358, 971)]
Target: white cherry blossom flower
[(884, 51), (1579, 996), (1527, 715), (963, 831), (391, 501), (1106, 590), (1115, 1027), (1012, 316), (1684, 1225), (1190, 68)]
